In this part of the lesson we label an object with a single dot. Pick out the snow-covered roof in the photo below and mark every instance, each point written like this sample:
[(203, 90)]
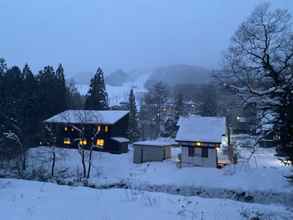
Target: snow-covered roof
[(87, 117), (120, 139), (160, 142), (198, 128)]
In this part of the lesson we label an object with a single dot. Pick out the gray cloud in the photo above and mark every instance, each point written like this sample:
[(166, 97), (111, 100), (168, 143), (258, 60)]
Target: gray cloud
[(120, 34)]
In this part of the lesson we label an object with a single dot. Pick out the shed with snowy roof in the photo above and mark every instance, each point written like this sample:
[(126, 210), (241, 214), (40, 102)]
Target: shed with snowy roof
[(200, 139), (105, 130), (152, 150)]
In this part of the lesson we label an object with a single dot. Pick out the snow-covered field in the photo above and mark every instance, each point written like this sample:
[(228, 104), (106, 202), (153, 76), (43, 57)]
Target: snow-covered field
[(156, 190), (31, 200), (263, 173)]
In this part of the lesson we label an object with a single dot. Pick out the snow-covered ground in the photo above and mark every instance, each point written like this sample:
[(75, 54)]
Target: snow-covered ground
[(263, 176), (155, 190), (32, 200)]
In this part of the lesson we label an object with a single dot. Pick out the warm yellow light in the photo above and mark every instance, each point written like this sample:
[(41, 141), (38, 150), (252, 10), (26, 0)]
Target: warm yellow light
[(106, 129), (67, 141), (100, 142), (65, 128), (83, 142), (198, 143)]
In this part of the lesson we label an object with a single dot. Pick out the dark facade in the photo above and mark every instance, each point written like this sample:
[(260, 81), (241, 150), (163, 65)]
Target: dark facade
[(104, 137)]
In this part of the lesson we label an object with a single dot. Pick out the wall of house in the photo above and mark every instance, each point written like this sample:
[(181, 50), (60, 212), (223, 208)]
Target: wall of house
[(197, 159), (120, 128)]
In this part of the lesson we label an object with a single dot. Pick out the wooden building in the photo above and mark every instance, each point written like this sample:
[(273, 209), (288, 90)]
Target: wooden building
[(152, 150), (106, 130), (200, 139)]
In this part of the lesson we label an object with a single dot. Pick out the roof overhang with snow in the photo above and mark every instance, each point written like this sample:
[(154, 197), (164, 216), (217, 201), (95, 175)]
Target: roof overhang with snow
[(201, 129), (160, 142), (87, 117)]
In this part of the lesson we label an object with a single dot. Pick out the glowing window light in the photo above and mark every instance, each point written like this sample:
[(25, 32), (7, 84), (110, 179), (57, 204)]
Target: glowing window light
[(198, 144), (83, 142), (67, 141), (65, 128), (100, 142), (106, 129)]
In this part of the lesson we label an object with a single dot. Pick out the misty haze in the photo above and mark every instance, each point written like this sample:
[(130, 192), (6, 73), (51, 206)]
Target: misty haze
[(143, 109)]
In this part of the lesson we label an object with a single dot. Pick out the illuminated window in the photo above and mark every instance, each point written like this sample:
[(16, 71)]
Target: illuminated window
[(65, 128), (83, 142), (67, 141), (198, 143), (106, 129), (98, 128), (100, 143)]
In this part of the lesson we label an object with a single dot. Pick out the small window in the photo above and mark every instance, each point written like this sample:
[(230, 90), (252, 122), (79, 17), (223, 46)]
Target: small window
[(100, 143), (98, 128), (205, 152), (83, 142), (190, 151), (67, 141), (65, 128), (106, 129)]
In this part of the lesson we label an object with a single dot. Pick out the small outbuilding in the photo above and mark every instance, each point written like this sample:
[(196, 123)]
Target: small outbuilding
[(152, 150), (200, 139)]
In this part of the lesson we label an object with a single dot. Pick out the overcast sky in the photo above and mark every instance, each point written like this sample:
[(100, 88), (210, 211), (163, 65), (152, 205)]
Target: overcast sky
[(128, 34)]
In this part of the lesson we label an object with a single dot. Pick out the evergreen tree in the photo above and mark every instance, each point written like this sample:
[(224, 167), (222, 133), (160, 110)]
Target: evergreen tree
[(133, 132), (208, 102), (29, 121), (179, 106), (62, 98), (97, 97), (155, 100)]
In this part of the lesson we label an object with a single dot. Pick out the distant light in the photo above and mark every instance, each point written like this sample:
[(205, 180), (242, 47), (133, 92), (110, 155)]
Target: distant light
[(198, 143)]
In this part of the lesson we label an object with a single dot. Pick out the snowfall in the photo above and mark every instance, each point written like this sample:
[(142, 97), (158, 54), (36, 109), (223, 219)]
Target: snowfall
[(120, 189)]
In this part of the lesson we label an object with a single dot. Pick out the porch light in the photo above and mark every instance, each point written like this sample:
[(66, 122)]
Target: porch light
[(198, 143)]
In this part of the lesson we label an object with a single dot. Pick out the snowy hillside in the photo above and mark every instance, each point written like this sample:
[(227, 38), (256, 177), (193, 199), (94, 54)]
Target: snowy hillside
[(119, 94), (119, 83)]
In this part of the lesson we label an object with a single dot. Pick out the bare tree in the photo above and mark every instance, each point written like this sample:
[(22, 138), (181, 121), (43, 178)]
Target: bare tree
[(84, 117), (258, 67), (50, 140)]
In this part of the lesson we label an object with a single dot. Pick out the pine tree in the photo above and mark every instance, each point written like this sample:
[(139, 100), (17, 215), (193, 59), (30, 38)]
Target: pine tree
[(29, 111), (179, 106), (62, 98), (133, 132), (97, 97)]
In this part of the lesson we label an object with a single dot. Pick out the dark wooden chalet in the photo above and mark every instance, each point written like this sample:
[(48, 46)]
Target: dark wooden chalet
[(106, 130)]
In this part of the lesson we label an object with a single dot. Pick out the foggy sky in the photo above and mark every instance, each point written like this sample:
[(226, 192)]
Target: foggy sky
[(128, 34)]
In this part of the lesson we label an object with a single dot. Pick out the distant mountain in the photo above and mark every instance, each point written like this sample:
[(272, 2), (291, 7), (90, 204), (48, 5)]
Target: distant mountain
[(117, 78), (180, 74)]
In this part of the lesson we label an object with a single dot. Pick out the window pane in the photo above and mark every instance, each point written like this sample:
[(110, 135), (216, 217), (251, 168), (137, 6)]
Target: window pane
[(190, 151), (205, 152)]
